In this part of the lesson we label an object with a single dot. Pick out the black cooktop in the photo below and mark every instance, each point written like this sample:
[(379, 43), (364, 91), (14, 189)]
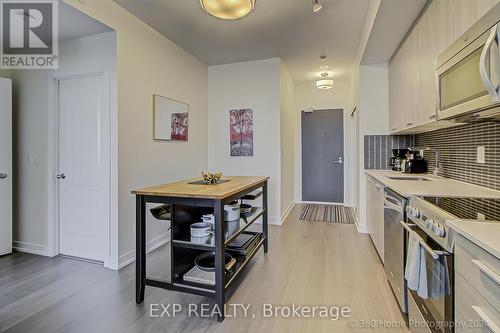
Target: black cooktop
[(467, 208)]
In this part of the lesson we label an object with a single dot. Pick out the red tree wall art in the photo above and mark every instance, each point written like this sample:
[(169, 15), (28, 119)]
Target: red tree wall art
[(241, 132)]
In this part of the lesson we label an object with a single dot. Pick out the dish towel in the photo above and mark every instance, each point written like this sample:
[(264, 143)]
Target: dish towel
[(415, 270), (412, 270), (423, 290)]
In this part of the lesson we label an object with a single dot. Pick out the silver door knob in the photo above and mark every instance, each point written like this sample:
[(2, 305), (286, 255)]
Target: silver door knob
[(339, 161), (3, 175), (61, 176)]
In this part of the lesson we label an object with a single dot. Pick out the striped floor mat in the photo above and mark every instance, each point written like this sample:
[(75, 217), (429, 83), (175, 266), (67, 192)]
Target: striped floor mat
[(327, 213)]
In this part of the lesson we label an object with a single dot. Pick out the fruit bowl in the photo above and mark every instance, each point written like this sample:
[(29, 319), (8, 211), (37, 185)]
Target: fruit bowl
[(212, 178)]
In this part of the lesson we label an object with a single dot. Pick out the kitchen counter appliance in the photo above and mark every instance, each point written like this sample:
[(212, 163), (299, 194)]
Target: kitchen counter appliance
[(394, 213), (426, 220), (415, 163), (468, 73), (397, 156)]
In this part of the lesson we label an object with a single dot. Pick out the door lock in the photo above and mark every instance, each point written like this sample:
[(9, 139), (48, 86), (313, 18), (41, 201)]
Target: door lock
[(3, 175), (61, 176), (339, 161)]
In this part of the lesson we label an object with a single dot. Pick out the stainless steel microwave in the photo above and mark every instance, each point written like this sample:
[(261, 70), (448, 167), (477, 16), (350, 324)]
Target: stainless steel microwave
[(468, 72)]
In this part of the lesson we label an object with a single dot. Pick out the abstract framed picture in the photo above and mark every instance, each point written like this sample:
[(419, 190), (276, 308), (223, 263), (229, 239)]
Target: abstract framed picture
[(171, 119), (179, 127), (241, 132)]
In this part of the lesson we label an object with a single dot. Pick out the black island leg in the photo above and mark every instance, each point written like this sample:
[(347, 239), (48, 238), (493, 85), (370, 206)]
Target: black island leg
[(140, 249), (265, 222), (220, 281)]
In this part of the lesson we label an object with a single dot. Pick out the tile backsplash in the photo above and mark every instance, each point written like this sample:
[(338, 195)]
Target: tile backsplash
[(378, 149), (457, 147)]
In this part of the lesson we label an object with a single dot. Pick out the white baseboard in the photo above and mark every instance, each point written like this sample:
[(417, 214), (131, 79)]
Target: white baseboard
[(362, 229), (129, 256), (273, 221), (322, 203), (287, 212), (26, 247)]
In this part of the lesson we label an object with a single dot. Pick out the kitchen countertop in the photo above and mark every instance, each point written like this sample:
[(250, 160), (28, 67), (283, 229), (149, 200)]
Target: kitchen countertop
[(186, 188), (437, 186), (483, 234)]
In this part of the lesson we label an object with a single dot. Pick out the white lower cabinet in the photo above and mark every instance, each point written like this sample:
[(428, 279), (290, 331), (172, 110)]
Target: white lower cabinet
[(375, 214), (477, 289)]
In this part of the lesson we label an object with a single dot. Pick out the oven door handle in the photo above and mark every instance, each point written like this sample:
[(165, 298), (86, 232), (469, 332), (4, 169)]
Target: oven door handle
[(435, 254), (491, 325)]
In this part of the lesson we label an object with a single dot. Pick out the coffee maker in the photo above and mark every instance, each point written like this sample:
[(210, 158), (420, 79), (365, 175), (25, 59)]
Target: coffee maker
[(398, 155), (415, 163)]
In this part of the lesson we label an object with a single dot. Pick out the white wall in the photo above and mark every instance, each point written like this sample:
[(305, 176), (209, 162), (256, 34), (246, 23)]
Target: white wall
[(307, 95), (36, 141), (248, 85), (148, 63), (373, 119), (288, 126)]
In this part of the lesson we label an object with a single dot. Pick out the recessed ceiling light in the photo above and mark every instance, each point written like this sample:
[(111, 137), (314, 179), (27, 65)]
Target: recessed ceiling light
[(324, 83), (228, 9), (324, 67), (316, 6)]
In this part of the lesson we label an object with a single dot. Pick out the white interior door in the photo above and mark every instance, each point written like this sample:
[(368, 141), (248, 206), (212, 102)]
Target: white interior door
[(84, 167), (5, 166)]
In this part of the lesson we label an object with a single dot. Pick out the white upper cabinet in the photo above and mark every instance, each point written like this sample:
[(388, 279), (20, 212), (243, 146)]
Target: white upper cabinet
[(467, 12), (412, 69), (429, 48)]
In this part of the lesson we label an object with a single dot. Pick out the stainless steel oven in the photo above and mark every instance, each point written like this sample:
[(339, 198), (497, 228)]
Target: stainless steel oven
[(468, 72), (430, 309), (435, 312)]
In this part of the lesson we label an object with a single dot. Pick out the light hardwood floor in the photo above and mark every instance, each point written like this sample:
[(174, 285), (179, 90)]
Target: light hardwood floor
[(309, 263)]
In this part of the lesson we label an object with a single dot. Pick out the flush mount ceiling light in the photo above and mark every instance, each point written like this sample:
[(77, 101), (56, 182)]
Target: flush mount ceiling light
[(325, 83), (228, 9), (316, 6)]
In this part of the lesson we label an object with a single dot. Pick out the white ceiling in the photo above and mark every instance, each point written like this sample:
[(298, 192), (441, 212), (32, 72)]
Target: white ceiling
[(394, 18), (278, 28), (75, 24)]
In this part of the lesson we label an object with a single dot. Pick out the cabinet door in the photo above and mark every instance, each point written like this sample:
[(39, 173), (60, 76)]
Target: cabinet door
[(380, 220), (411, 82), (370, 206), (468, 12), (444, 23), (375, 214), (395, 93), (428, 52)]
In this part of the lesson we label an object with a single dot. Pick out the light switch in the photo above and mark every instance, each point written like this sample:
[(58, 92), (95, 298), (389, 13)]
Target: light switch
[(481, 154)]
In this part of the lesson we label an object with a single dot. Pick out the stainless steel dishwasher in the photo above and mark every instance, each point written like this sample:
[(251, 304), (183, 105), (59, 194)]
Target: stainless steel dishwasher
[(394, 242)]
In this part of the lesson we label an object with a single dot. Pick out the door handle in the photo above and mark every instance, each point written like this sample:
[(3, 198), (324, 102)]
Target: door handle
[(3, 175), (61, 176), (482, 64), (339, 161)]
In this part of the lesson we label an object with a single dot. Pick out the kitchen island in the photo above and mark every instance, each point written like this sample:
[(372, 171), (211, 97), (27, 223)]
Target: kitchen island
[(188, 201)]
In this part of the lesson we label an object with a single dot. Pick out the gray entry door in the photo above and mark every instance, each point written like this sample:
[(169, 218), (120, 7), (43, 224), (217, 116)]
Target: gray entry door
[(323, 156)]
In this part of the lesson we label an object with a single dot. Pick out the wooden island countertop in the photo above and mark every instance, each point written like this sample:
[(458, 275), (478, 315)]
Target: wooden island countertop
[(183, 188)]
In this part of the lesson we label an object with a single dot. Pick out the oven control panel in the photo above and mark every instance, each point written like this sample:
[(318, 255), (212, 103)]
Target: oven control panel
[(430, 219)]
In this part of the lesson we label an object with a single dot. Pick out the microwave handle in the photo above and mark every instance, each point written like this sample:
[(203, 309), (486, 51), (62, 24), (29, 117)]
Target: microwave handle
[(482, 63)]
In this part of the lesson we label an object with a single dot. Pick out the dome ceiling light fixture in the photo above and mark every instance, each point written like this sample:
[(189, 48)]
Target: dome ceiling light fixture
[(228, 9), (324, 83), (317, 6)]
